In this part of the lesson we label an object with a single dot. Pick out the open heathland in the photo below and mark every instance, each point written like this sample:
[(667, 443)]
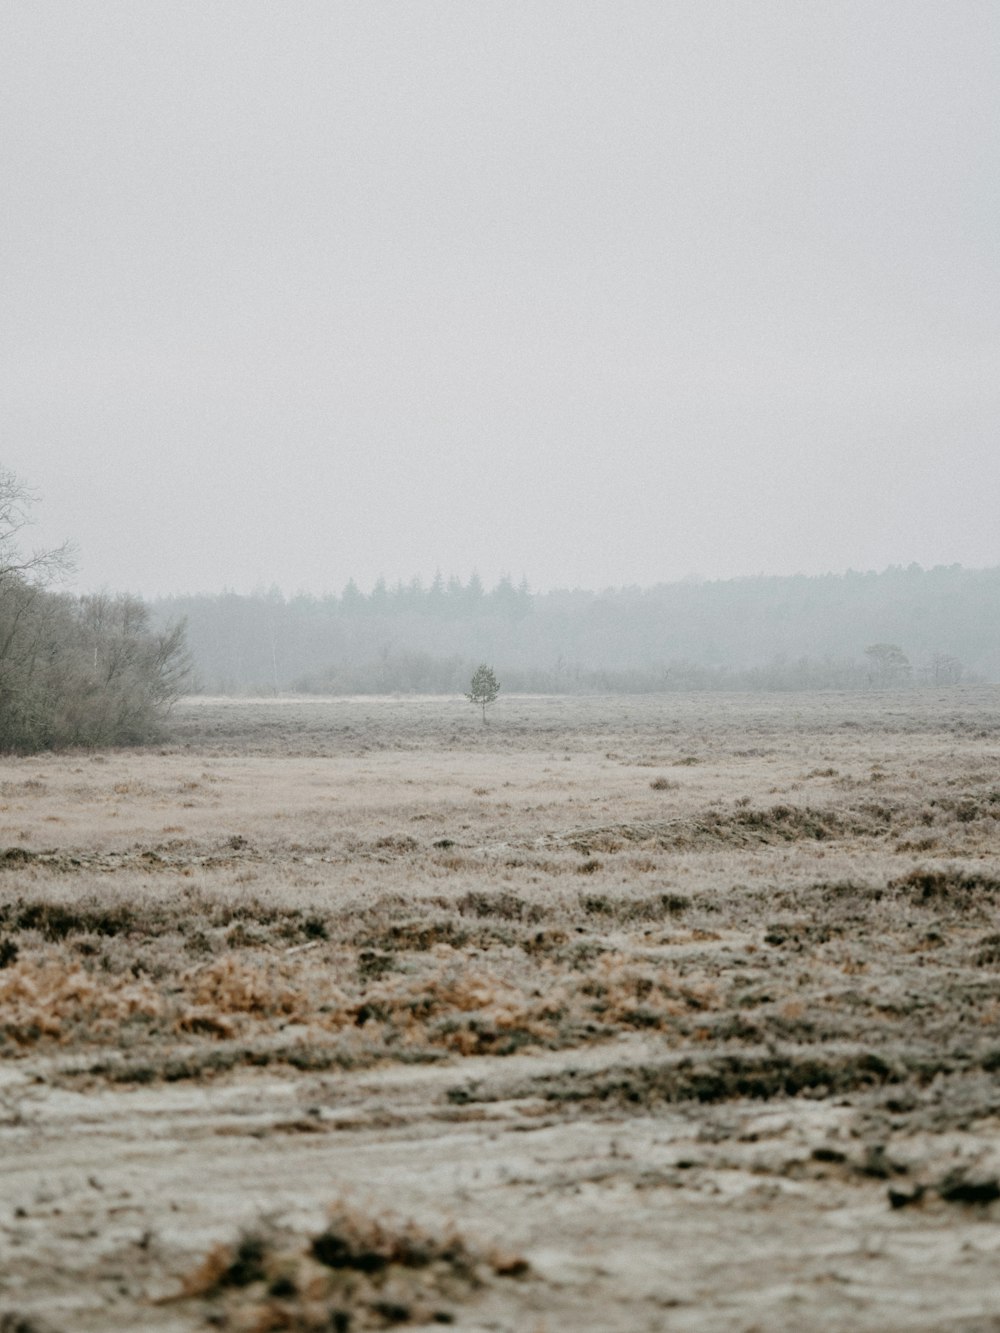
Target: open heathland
[(612, 1013)]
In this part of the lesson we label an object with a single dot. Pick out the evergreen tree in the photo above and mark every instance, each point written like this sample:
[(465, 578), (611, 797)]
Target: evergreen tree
[(484, 687)]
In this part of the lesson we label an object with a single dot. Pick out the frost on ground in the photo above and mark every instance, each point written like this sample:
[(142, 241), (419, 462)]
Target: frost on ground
[(615, 1014)]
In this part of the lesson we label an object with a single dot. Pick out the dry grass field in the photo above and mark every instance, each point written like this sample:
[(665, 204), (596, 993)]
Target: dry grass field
[(615, 1014)]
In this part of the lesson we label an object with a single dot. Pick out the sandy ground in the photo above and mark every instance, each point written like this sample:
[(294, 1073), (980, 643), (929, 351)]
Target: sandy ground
[(681, 1013)]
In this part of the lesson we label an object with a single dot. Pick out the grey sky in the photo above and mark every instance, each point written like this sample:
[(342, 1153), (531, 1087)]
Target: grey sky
[(600, 293)]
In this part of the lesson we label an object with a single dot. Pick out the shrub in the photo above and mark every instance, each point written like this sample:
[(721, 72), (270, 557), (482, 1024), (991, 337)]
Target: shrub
[(75, 670)]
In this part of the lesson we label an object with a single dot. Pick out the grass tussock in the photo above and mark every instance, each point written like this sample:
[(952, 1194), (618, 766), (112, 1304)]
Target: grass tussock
[(742, 826), (360, 1272), (626, 909), (717, 1078), (56, 920), (947, 884), (506, 905)]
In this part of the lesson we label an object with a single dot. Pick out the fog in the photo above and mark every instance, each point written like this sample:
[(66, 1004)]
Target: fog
[(600, 294), (902, 627)]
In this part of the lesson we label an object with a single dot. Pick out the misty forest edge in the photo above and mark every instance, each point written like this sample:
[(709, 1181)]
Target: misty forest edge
[(104, 669), (901, 627)]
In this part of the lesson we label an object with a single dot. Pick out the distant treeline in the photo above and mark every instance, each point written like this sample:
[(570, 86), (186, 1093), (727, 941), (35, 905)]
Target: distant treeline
[(850, 631)]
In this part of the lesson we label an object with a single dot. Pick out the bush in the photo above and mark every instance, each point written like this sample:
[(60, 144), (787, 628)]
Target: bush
[(75, 670), (83, 671)]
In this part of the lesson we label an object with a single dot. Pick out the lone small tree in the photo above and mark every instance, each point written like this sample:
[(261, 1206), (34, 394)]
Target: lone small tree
[(484, 687)]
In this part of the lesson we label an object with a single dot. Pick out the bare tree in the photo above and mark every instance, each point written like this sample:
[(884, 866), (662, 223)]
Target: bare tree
[(945, 669), (36, 566)]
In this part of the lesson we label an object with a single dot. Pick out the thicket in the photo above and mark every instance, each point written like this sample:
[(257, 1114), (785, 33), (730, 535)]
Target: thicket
[(91, 670)]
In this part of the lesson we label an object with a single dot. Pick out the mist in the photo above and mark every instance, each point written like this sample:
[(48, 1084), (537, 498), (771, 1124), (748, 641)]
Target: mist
[(860, 631), (602, 294)]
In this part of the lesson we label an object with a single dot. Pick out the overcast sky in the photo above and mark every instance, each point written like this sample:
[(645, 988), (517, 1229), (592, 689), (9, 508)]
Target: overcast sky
[(597, 293)]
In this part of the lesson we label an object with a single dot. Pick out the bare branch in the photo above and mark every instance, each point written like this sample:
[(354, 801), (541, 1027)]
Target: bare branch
[(40, 565)]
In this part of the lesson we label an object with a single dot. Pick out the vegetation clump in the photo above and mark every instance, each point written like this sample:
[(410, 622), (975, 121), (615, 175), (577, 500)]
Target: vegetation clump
[(950, 882), (360, 1272), (87, 670)]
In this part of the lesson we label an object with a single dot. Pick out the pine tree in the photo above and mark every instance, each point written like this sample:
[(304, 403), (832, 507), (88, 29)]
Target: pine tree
[(484, 687)]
